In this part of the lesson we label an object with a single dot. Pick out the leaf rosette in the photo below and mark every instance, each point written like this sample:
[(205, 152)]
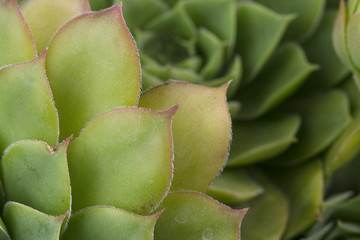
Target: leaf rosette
[(84, 155)]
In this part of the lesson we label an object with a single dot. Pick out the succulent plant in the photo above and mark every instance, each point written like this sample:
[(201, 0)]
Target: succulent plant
[(293, 103), (84, 155)]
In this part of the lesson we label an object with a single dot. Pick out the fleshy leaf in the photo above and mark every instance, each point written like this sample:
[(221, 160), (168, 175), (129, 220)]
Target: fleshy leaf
[(259, 140), (26, 105), (97, 5), (4, 235), (319, 49), (268, 213), (344, 149), (123, 159), (303, 186), (191, 215), (91, 72), (35, 174), (44, 17), (103, 222), (286, 71), (25, 223), (259, 31), (308, 14), (324, 117), (234, 186), (16, 44), (201, 130), (352, 37)]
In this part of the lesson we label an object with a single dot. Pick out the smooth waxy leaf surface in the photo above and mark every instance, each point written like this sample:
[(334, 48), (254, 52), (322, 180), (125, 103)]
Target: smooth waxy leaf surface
[(344, 149), (262, 139), (192, 216), (308, 14), (44, 17), (352, 38), (123, 159), (286, 71), (268, 213), (100, 4), (303, 186), (234, 186), (26, 105), (25, 223), (4, 235), (92, 71), (324, 117), (109, 223), (319, 49), (201, 129), (35, 174), (16, 44), (259, 31)]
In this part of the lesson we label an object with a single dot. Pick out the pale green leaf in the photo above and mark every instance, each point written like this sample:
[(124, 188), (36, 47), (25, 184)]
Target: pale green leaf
[(25, 223), (201, 130), (123, 159), (44, 17), (193, 216), (35, 174), (104, 222), (26, 105), (16, 44), (92, 71)]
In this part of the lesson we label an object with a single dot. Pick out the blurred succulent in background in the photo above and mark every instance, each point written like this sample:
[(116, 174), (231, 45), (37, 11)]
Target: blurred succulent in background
[(138, 167), (293, 102)]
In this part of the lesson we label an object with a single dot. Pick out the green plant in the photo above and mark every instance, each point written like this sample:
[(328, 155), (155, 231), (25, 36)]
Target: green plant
[(130, 172), (293, 102)]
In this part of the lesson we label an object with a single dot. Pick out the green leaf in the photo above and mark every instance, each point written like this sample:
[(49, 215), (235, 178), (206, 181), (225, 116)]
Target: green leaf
[(26, 104), (123, 159), (92, 71), (104, 222), (352, 36), (4, 235), (16, 43), (324, 117), (286, 71), (350, 211), (44, 17), (308, 14), (201, 130), (304, 187), (35, 174), (344, 149), (97, 5), (25, 223), (192, 216), (259, 140), (234, 186), (132, 8), (259, 31), (319, 49), (268, 213)]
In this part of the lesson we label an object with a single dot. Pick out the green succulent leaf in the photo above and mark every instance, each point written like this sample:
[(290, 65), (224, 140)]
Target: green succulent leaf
[(100, 4), (104, 222), (319, 49), (55, 12), (234, 186), (26, 104), (25, 223), (35, 174), (286, 71), (308, 14), (16, 44), (350, 211), (303, 186), (192, 216), (259, 31), (259, 140), (4, 235), (123, 159), (268, 213), (90, 71), (352, 37), (344, 149), (201, 129), (324, 117)]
